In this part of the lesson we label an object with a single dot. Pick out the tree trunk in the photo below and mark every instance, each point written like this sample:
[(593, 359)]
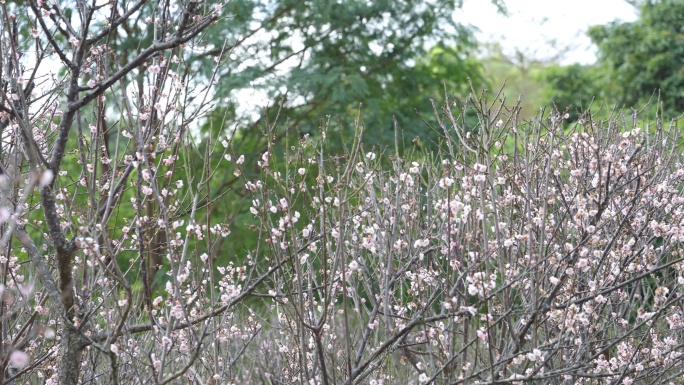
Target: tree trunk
[(70, 355)]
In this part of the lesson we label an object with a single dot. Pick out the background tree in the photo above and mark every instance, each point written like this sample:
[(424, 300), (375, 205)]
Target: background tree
[(637, 62), (520, 71), (574, 88), (317, 58)]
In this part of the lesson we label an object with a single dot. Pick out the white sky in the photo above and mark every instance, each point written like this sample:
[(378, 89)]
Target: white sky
[(532, 25)]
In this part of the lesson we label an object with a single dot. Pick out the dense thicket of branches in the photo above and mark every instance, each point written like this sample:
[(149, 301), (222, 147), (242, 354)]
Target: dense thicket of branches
[(521, 252)]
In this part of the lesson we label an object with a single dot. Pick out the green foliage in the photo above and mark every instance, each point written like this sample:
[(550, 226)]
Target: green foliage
[(520, 74), (407, 97), (324, 58), (645, 57), (574, 87)]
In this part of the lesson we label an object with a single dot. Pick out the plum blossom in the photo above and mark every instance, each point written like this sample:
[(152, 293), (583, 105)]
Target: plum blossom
[(445, 182), (535, 355), (19, 359), (46, 178)]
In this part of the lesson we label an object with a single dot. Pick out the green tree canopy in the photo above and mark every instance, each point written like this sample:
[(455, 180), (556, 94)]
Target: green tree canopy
[(645, 57), (574, 87), (320, 58)]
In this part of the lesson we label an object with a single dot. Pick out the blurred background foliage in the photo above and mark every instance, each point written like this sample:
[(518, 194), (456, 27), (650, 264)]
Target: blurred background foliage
[(637, 62), (317, 62)]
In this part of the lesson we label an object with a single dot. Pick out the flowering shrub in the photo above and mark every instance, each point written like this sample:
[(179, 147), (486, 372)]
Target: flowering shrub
[(540, 252), (533, 253)]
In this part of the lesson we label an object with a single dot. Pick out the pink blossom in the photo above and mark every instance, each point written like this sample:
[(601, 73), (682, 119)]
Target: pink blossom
[(19, 359)]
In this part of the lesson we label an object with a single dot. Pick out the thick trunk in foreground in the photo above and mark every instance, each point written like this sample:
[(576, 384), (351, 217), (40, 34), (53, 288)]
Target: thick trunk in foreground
[(70, 356)]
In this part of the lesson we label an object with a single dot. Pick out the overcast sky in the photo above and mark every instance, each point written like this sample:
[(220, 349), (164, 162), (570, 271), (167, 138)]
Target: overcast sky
[(533, 24)]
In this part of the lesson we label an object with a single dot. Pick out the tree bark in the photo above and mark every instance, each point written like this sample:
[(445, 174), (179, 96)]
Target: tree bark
[(70, 352)]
